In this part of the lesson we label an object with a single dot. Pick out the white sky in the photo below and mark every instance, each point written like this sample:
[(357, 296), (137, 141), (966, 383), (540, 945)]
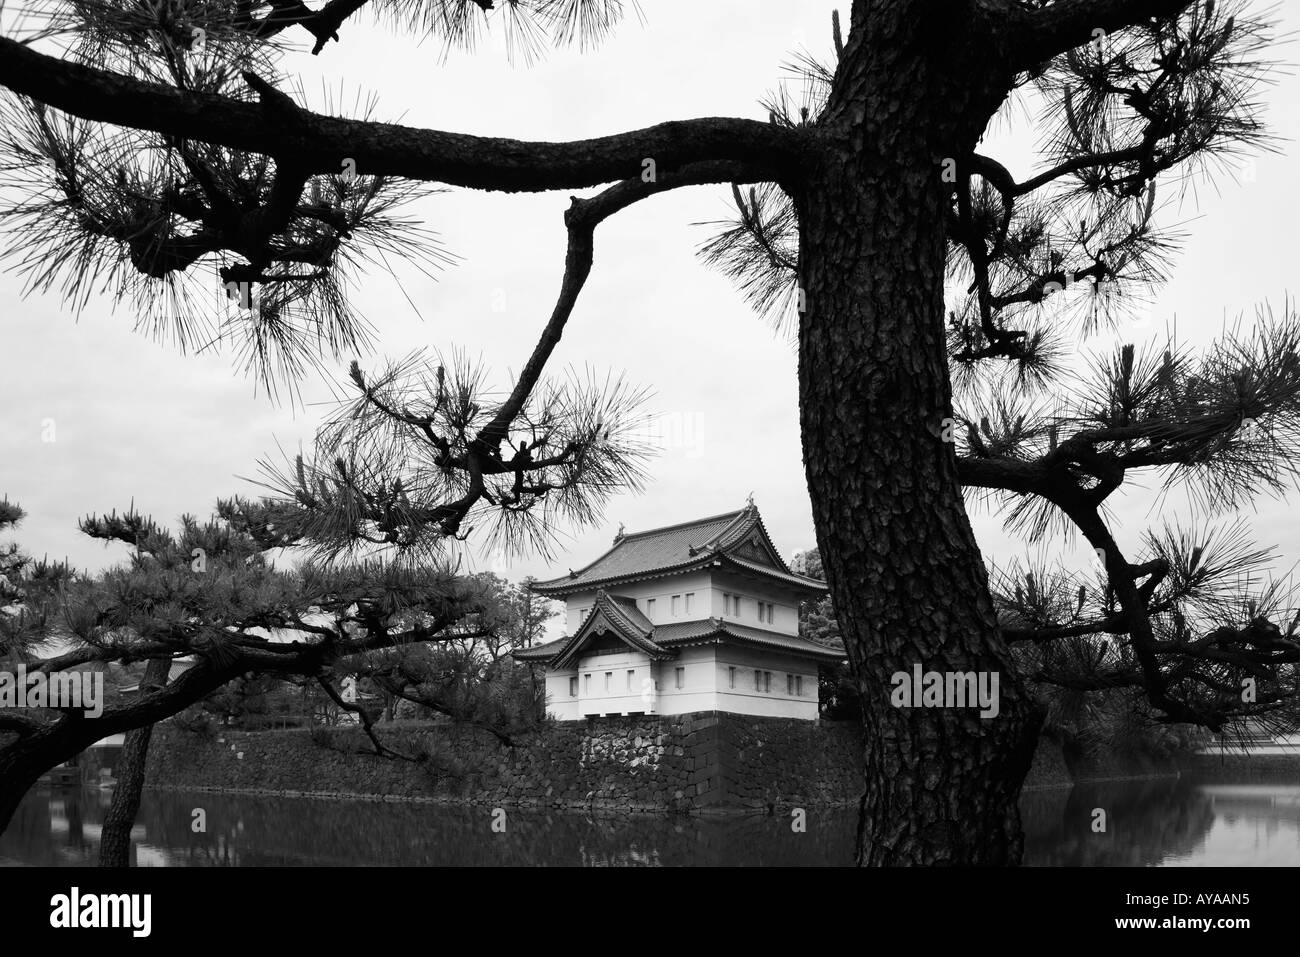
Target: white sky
[(137, 421)]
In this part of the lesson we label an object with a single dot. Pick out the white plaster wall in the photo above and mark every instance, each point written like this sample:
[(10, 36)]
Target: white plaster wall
[(785, 612), (700, 679), (706, 684), (624, 696), (743, 699), (559, 704)]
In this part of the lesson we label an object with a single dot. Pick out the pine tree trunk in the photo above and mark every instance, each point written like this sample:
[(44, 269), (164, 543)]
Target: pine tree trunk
[(905, 573), (115, 839)]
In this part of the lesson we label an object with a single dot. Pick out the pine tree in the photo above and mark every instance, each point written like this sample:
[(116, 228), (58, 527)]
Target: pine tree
[(909, 262)]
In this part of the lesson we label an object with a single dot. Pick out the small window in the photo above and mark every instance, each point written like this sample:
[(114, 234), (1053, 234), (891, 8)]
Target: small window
[(726, 603), (758, 681), (681, 677), (677, 601), (731, 677), (609, 681), (736, 604), (650, 608), (689, 596), (767, 681), (586, 684), (789, 684), (631, 676), (798, 685), (771, 613), (573, 687)]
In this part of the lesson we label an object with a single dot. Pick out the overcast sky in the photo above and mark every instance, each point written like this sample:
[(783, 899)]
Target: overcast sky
[(138, 421)]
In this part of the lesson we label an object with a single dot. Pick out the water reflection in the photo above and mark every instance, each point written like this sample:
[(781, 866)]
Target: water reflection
[(1165, 822), (247, 830)]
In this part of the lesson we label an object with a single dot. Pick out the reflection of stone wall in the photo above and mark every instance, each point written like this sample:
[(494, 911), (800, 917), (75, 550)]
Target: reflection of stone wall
[(262, 830), (1054, 766), (1240, 766), (681, 762)]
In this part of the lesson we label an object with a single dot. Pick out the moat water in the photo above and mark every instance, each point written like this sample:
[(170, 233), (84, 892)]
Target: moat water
[(1147, 823)]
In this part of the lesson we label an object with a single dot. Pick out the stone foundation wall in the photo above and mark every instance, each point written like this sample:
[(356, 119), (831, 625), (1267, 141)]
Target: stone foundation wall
[(695, 762), (702, 762)]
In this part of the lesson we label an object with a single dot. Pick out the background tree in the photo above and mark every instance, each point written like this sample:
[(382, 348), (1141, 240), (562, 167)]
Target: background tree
[(26, 587), (498, 695), (474, 680), (913, 262), (837, 689)]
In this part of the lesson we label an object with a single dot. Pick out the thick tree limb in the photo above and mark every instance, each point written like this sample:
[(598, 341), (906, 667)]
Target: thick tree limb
[(319, 144), (1010, 475), (1039, 35)]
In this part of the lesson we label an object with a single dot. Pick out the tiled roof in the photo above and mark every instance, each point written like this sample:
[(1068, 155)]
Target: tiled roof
[(785, 642), (673, 635), (543, 652), (679, 548), (628, 609), (641, 552), (789, 577), (682, 631)]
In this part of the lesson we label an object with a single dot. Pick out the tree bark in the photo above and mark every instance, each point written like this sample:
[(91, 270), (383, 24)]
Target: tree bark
[(115, 838), (906, 575)]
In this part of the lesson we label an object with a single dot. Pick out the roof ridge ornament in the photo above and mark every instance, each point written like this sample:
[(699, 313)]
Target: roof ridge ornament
[(749, 502), (619, 537)]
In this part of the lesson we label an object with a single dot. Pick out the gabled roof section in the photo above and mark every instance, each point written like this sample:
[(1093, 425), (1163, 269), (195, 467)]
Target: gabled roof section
[(614, 615), (673, 549)]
